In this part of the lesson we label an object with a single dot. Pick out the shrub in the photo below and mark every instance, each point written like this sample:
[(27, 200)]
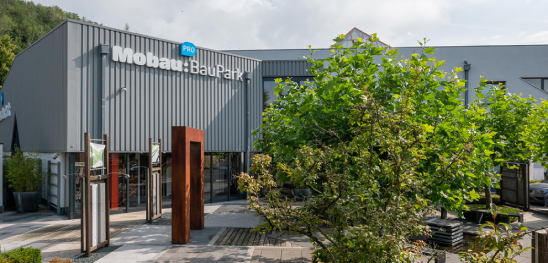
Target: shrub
[(23, 172), (22, 255)]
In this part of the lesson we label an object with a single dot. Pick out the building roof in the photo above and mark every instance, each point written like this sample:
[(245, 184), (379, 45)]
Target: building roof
[(353, 35)]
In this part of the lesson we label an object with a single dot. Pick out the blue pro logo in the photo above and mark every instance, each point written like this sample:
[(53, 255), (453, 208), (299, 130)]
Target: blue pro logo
[(2, 98), (188, 49)]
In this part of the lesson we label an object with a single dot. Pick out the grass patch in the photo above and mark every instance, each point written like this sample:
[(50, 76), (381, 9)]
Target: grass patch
[(535, 181)]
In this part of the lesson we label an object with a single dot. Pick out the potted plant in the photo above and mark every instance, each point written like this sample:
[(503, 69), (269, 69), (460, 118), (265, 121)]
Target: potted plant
[(25, 179), (301, 191)]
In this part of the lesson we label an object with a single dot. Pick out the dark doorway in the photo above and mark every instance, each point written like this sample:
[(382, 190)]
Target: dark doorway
[(514, 185)]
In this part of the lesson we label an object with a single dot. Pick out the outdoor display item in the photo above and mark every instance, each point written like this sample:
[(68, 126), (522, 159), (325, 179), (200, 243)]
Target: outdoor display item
[(95, 196), (188, 182), (154, 181)]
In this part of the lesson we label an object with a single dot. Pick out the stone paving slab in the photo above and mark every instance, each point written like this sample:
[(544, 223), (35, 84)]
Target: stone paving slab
[(132, 254), (63, 250), (196, 254)]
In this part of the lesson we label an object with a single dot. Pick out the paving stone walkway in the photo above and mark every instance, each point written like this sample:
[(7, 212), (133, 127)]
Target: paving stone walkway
[(227, 237)]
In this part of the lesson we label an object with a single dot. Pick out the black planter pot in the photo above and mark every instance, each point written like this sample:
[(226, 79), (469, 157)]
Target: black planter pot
[(27, 201), (301, 193)]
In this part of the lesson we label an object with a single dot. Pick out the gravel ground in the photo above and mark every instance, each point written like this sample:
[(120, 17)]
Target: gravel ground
[(96, 255)]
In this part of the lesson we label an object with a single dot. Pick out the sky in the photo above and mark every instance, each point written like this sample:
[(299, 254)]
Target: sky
[(288, 24)]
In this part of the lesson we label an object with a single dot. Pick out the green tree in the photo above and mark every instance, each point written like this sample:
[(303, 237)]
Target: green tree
[(515, 123), (380, 140), (318, 113), (6, 57), (25, 22)]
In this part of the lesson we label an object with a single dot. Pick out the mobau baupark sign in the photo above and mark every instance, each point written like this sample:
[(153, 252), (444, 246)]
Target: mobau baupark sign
[(126, 55)]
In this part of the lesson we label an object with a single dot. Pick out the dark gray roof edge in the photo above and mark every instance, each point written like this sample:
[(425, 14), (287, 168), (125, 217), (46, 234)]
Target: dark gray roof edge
[(131, 33), (155, 38), (289, 49), (287, 60)]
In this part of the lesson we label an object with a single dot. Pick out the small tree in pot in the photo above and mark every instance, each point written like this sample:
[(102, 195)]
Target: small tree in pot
[(25, 179)]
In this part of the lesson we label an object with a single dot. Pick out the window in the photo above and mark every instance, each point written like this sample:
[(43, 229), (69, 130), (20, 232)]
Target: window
[(490, 85), (269, 84), (539, 83)]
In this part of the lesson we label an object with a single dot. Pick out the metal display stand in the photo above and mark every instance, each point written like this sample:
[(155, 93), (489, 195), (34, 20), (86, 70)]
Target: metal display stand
[(154, 180), (95, 222)]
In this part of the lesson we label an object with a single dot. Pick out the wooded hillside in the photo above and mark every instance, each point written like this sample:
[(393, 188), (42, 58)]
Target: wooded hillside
[(26, 22), (23, 23)]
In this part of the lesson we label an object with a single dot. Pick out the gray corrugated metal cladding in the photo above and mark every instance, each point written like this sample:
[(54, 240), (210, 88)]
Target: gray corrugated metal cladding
[(36, 89), (286, 68), (142, 101)]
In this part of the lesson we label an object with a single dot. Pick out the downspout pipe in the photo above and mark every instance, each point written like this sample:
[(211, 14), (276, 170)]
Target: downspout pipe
[(466, 69), (104, 52), (247, 77)]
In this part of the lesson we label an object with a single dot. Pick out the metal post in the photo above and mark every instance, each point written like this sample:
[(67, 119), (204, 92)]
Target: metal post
[(104, 52), (107, 171), (58, 188), (247, 77), (128, 171), (72, 185), (48, 182), (86, 209), (466, 69), (229, 175)]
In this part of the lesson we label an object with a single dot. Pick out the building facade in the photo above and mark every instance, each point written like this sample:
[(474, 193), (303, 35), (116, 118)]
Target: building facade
[(83, 77)]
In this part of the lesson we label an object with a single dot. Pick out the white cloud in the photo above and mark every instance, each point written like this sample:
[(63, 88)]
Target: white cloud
[(257, 24), (536, 38)]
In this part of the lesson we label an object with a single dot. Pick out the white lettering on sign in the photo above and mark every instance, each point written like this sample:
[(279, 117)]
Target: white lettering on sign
[(126, 55), (5, 112)]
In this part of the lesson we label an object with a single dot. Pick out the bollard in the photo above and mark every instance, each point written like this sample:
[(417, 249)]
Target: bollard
[(540, 246), (443, 213)]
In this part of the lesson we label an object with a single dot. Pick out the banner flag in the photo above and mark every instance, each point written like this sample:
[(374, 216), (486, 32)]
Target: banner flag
[(96, 155)]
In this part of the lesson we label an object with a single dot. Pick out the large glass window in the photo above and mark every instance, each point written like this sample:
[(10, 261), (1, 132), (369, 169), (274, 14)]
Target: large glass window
[(137, 180), (118, 181), (166, 174), (540, 83), (220, 177), (490, 85), (269, 84), (236, 168), (207, 178)]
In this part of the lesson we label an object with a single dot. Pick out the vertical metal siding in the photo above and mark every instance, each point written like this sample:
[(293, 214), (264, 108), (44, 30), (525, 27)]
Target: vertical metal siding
[(36, 90), (286, 68), (157, 99)]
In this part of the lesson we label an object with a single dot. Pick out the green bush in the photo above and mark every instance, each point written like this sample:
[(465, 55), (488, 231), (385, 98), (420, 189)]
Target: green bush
[(23, 172), (22, 255)]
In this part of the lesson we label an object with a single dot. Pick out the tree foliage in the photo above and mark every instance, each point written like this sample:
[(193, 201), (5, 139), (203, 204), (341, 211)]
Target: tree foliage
[(23, 172), (25, 22), (6, 57), (380, 139), (319, 114)]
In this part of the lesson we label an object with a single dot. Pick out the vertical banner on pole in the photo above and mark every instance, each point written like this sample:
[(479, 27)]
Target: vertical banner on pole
[(154, 180), (95, 223)]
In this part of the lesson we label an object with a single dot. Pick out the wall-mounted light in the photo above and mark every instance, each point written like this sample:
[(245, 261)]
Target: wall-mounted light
[(123, 89)]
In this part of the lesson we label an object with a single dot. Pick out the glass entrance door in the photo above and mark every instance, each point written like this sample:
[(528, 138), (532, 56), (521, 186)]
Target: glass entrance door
[(220, 177)]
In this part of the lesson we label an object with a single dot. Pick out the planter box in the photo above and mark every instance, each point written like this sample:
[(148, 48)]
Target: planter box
[(27, 201), (487, 216)]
